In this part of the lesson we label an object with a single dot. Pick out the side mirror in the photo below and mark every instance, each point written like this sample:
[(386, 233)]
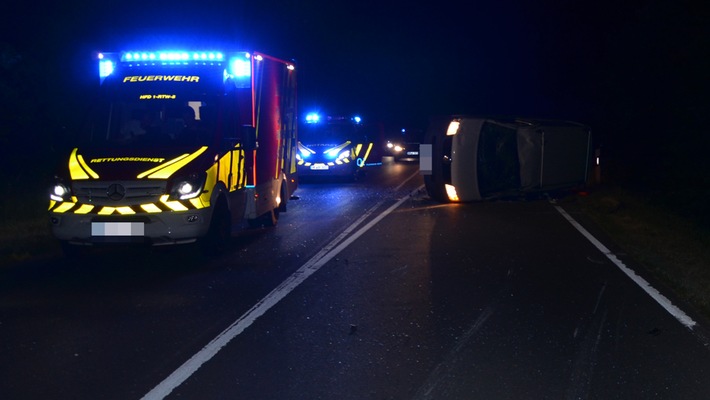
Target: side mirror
[(249, 137)]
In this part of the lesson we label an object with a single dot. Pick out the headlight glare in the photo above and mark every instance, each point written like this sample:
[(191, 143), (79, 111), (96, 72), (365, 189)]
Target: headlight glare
[(451, 192), (59, 192), (343, 155), (187, 187)]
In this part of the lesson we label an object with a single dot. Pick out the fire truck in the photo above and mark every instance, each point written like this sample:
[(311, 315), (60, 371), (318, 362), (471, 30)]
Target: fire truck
[(180, 147)]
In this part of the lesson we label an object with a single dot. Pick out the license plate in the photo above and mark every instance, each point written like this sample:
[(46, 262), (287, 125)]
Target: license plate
[(319, 166), (412, 153), (117, 229)]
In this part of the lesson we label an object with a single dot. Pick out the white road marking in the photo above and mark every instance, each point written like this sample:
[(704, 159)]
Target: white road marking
[(180, 375), (654, 293)]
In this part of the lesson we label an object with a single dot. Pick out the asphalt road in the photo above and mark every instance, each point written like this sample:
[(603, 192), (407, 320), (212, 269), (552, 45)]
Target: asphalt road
[(365, 290)]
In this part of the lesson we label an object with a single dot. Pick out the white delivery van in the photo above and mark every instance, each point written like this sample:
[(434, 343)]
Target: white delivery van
[(479, 158)]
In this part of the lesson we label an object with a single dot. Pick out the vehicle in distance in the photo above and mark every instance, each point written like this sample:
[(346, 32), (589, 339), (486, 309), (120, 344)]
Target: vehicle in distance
[(176, 150), (333, 146), (477, 158), (404, 146)]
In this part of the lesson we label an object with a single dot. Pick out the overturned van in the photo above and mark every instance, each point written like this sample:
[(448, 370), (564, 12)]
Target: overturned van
[(467, 158)]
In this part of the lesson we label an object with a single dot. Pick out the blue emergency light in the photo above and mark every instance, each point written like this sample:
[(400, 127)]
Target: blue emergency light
[(312, 118), (240, 67), (106, 65), (237, 65), (106, 68), (172, 56)]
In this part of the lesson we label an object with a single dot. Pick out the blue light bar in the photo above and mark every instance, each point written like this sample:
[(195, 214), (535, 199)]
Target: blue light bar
[(172, 56), (237, 65)]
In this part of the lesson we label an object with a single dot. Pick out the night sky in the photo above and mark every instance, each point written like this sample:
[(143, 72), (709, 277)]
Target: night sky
[(386, 60), (635, 71)]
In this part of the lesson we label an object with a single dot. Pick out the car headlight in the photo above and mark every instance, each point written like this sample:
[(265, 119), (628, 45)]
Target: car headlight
[(187, 187), (394, 147)]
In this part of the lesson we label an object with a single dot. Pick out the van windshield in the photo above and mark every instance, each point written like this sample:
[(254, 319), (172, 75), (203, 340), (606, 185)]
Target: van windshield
[(332, 133), (498, 162)]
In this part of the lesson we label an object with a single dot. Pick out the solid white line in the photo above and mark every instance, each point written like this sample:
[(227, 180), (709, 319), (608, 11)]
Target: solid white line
[(654, 293), (180, 375)]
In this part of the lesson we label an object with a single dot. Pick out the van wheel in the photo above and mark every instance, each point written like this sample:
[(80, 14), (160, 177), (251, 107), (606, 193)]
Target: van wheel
[(220, 230)]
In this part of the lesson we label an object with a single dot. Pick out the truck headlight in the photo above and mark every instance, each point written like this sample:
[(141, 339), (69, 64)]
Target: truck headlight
[(303, 152), (343, 154), (187, 187), (60, 192)]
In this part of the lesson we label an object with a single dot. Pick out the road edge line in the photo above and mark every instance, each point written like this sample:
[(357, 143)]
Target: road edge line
[(676, 312)]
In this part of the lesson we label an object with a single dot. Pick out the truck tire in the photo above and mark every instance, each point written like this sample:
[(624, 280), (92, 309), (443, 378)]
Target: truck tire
[(220, 230), (284, 198)]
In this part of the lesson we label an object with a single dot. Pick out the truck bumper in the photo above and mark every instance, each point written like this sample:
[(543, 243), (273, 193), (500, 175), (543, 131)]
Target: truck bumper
[(152, 229), (328, 170)]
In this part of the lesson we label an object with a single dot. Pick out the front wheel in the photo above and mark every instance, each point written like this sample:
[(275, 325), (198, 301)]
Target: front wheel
[(219, 231)]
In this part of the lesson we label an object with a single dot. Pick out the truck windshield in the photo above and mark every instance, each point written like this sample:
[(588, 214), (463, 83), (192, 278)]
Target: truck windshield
[(332, 133), (151, 124)]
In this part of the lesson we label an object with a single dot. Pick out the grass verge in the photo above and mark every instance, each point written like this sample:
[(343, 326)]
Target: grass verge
[(673, 248)]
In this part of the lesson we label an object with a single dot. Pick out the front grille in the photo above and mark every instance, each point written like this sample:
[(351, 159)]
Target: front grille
[(113, 193)]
